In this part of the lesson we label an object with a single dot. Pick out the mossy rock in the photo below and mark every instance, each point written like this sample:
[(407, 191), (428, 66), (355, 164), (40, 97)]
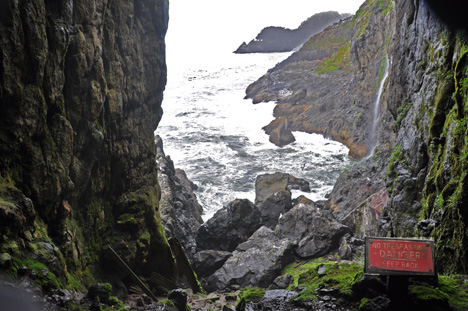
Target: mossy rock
[(254, 294), (324, 274), (427, 298)]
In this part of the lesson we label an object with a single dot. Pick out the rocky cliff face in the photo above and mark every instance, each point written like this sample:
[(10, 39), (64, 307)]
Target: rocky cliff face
[(414, 184), (80, 95), (330, 84), (426, 95), (422, 123)]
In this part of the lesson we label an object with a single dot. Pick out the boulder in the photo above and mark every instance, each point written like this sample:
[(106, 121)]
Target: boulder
[(268, 184), (282, 135), (315, 231), (179, 298), (282, 281), (206, 262), (256, 262), (230, 226), (273, 207)]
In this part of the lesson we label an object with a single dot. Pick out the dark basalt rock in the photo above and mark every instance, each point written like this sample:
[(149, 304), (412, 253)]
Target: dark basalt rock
[(282, 281), (81, 91), (256, 262), (269, 184), (179, 207), (277, 299), (179, 298), (314, 231), (273, 207), (281, 135), (381, 303), (206, 262), (230, 226)]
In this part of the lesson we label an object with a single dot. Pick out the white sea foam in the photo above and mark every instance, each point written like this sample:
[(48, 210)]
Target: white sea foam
[(215, 135)]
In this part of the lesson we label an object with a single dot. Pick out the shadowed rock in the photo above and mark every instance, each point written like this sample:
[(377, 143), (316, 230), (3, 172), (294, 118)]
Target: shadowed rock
[(316, 232), (229, 227), (256, 262)]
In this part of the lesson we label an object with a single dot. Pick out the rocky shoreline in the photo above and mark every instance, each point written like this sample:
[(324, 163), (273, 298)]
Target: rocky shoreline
[(86, 195)]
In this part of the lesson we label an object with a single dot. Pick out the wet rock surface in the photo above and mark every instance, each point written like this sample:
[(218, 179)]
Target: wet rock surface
[(179, 207), (256, 262), (81, 91), (206, 262), (229, 226), (269, 184), (314, 231)]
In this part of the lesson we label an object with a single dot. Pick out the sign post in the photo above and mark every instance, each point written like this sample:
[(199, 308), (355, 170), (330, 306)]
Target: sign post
[(394, 256), (399, 259)]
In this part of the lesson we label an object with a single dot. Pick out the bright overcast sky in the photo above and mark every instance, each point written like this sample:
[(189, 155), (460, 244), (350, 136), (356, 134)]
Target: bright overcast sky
[(219, 24)]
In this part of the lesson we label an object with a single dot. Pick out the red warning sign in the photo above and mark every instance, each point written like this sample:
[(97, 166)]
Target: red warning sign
[(391, 256)]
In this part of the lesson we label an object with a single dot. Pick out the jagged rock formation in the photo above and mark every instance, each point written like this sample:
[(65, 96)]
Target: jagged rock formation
[(422, 131), (80, 92), (427, 98), (415, 181), (180, 211), (247, 244), (348, 54), (280, 39)]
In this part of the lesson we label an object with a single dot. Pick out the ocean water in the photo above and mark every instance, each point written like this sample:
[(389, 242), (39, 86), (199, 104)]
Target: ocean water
[(216, 136)]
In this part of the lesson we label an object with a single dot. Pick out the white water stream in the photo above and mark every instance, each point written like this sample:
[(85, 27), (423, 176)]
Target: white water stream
[(374, 138)]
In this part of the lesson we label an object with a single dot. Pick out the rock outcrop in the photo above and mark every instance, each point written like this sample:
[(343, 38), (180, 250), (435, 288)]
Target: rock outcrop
[(280, 39), (81, 87), (414, 181), (315, 232), (180, 211), (229, 226), (330, 84), (427, 96), (256, 262)]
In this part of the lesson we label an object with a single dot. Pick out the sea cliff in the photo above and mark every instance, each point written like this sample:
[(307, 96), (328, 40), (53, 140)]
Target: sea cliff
[(81, 91)]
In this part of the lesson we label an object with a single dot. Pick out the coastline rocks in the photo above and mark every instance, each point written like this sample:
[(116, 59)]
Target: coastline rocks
[(316, 232), (279, 39), (273, 207), (268, 184), (179, 207), (256, 262), (229, 226), (206, 262), (281, 135)]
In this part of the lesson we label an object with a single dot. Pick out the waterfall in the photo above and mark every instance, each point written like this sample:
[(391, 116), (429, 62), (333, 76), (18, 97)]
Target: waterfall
[(374, 133)]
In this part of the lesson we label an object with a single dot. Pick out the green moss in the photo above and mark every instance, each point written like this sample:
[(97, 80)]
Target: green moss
[(457, 291), (401, 114), (397, 156), (339, 60), (43, 276), (252, 294), (383, 68), (446, 187), (427, 293), (332, 276), (168, 302), (363, 303)]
